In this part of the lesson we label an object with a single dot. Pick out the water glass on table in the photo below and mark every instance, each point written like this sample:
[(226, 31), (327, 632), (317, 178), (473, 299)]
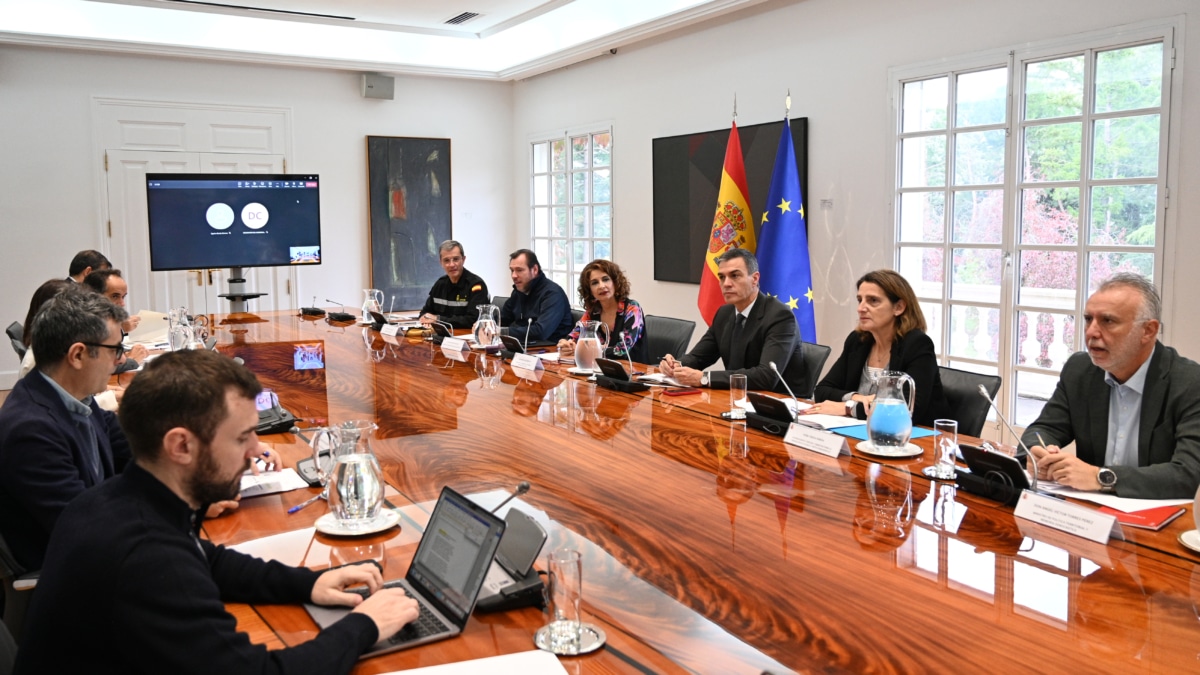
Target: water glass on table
[(945, 450), (737, 395), (565, 594)]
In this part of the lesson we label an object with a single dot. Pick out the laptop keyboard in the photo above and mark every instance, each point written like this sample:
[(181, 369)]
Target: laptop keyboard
[(423, 626)]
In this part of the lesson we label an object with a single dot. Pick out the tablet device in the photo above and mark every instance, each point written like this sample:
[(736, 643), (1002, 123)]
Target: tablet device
[(612, 369), (996, 469)]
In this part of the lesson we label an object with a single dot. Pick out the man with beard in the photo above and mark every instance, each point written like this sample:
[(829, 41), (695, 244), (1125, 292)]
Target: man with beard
[(129, 549), (1130, 404)]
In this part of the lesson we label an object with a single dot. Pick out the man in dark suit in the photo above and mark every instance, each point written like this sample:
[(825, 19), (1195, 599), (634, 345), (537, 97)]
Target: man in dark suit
[(748, 333), (54, 440), (1130, 404), (86, 262)]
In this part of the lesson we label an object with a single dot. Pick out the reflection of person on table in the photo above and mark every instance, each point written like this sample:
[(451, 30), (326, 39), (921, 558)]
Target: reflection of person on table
[(130, 546), (1130, 404), (748, 333), (890, 336), (456, 295), (604, 291)]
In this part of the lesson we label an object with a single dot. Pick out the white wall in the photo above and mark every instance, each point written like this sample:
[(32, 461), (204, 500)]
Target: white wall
[(49, 204), (834, 56)]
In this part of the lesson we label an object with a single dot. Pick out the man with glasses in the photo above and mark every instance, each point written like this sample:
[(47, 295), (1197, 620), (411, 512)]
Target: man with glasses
[(55, 442), (1130, 404)]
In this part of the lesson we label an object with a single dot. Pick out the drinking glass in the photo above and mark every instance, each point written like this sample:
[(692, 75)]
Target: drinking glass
[(945, 449), (565, 593), (737, 394)]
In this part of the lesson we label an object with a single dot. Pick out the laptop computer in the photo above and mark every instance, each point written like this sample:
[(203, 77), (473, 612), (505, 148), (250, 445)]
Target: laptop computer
[(445, 576)]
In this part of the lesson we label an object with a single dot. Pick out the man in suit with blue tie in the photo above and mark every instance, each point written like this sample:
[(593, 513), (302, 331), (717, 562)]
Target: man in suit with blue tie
[(55, 442)]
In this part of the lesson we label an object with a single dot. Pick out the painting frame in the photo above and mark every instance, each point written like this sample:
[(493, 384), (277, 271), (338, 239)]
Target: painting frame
[(410, 208)]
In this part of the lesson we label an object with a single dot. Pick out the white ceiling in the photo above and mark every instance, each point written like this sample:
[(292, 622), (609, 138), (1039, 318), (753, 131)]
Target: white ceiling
[(509, 39)]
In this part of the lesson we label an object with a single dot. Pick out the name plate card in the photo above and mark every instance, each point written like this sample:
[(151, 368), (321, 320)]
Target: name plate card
[(1067, 517), (392, 329), (454, 356), (817, 440), (527, 362), (453, 344)]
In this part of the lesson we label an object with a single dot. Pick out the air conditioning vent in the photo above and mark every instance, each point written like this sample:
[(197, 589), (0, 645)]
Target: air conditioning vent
[(461, 18)]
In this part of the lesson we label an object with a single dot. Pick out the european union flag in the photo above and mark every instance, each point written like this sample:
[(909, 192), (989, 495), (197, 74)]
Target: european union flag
[(783, 242)]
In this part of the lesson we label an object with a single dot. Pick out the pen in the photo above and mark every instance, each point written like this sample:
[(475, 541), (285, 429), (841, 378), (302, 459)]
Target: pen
[(1041, 440), (305, 503)]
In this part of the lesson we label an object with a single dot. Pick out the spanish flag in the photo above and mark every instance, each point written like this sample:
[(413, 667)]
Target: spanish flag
[(733, 226)]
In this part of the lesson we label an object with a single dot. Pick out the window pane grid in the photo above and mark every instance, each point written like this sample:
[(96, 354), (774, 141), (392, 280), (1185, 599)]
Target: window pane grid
[(1076, 198), (572, 176)]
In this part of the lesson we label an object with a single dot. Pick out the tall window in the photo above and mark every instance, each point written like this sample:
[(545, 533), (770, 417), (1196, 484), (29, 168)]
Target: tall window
[(1023, 184), (571, 215)]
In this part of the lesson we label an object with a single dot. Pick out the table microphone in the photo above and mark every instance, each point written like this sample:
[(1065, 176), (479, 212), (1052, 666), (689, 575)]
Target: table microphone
[(628, 356), (339, 316), (522, 488), (525, 348), (795, 401), (1032, 460)]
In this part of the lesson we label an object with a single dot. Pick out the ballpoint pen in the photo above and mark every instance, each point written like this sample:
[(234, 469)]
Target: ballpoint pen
[(310, 500)]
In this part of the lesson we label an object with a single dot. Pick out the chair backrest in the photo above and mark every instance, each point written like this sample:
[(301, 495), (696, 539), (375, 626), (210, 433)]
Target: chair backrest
[(576, 315), (19, 348), (499, 300), (8, 651), (15, 330), (961, 388), (815, 356), (667, 335)]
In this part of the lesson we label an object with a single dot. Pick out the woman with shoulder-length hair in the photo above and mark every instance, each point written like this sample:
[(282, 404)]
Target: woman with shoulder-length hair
[(890, 336), (605, 294)]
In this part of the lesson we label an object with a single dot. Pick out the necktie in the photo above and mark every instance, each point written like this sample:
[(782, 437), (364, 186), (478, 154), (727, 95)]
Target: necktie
[(738, 347)]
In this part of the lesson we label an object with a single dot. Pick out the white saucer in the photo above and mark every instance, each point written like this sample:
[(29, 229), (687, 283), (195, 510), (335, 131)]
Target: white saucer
[(1191, 539), (328, 524), (910, 450)]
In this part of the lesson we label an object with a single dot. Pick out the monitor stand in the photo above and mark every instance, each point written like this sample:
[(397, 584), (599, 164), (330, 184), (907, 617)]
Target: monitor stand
[(237, 294)]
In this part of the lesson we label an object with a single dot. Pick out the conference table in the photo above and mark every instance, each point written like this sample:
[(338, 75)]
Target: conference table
[(707, 547)]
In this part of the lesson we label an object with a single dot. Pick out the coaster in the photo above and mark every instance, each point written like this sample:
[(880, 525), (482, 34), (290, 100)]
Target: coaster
[(591, 638)]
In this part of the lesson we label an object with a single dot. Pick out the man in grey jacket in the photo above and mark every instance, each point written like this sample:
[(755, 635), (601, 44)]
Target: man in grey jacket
[(1130, 404)]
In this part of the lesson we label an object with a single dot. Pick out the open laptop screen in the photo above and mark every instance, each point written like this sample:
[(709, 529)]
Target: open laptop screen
[(448, 565)]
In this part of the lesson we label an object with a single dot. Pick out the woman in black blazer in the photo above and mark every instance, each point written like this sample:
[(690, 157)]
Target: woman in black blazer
[(890, 336)]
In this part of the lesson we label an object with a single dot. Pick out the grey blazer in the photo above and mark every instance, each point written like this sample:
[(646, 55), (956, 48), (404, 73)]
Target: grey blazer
[(1168, 434)]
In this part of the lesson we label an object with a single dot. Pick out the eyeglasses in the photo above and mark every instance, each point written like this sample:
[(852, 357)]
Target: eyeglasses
[(119, 349)]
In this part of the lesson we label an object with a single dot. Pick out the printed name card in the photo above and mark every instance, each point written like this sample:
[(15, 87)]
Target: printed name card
[(392, 329), (1067, 517), (453, 344), (527, 362), (817, 440), (461, 357)]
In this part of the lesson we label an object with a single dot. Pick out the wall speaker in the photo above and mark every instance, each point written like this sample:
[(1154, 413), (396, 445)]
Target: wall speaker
[(379, 86)]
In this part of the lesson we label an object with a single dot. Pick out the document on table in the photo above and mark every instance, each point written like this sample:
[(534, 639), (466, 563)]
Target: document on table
[(151, 330), (1112, 501), (270, 482), (536, 662)]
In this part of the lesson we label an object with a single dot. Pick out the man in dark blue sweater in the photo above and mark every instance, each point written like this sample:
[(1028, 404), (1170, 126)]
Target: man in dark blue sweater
[(538, 309), (129, 549)]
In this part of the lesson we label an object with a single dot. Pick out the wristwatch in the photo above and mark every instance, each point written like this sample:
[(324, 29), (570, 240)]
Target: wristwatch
[(703, 379), (1107, 479)]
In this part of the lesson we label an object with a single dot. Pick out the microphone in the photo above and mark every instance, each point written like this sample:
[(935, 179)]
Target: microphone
[(393, 304), (525, 346), (312, 311), (339, 316), (1032, 460), (795, 401), (522, 488), (628, 356)]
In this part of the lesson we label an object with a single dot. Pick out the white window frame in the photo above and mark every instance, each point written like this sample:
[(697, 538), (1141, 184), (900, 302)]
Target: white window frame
[(1169, 32)]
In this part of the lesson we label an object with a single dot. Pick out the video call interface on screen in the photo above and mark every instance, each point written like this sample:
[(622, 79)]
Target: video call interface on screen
[(199, 222)]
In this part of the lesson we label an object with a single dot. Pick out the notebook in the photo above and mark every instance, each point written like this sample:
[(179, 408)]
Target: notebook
[(445, 576)]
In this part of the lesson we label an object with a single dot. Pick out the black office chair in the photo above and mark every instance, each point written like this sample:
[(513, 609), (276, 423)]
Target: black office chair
[(499, 300), (18, 587), (15, 333), (961, 388), (576, 315), (815, 356), (667, 335)]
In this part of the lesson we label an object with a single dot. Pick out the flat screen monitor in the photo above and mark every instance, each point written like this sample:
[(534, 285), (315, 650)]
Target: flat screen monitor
[(200, 221)]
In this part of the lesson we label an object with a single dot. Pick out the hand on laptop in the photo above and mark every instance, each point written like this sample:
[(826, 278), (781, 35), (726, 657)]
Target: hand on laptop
[(390, 609)]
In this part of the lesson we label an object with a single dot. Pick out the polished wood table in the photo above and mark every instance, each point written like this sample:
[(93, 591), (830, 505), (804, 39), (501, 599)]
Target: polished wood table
[(708, 548)]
